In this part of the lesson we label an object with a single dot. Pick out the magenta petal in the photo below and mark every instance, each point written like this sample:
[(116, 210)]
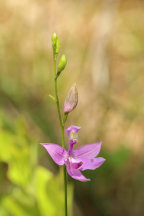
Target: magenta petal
[(87, 151), (57, 152), (91, 163), (76, 174)]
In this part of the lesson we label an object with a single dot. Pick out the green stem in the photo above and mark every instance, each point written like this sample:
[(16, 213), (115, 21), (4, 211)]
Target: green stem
[(65, 185), (62, 133)]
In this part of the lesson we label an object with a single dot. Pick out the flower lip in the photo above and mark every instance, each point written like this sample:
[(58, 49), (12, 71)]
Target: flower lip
[(73, 128), (73, 138)]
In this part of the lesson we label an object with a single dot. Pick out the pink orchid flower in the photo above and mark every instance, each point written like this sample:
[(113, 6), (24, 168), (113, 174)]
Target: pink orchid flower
[(76, 160)]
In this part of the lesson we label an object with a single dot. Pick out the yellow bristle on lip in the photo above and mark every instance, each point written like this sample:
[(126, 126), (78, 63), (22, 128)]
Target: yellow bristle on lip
[(74, 136)]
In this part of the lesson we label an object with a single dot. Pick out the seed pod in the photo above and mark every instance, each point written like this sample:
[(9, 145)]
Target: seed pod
[(71, 100)]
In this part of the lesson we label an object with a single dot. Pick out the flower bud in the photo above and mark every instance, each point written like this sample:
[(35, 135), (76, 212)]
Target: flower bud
[(71, 99), (54, 39), (55, 44), (61, 64)]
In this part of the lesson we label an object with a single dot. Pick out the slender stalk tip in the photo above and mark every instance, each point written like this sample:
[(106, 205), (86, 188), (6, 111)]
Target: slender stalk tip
[(56, 48)]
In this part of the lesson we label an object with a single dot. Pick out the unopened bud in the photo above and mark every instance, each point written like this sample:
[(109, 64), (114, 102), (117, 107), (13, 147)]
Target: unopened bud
[(55, 44), (71, 99), (54, 39), (61, 64)]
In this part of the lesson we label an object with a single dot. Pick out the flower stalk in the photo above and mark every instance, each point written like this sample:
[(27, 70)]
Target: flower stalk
[(74, 160), (55, 52)]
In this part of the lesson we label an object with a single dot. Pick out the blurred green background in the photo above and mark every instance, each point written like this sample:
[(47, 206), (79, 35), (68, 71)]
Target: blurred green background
[(104, 44)]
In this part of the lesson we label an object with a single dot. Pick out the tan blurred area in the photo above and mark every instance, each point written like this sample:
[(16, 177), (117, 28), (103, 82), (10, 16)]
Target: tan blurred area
[(103, 42)]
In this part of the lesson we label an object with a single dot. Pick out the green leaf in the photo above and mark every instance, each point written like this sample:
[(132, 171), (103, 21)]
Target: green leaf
[(50, 193), (19, 203)]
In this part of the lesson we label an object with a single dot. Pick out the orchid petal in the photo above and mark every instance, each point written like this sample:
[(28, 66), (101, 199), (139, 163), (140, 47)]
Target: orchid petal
[(76, 174), (57, 152), (91, 163), (87, 151)]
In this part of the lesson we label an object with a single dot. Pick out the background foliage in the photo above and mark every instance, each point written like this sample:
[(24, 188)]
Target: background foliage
[(103, 42)]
